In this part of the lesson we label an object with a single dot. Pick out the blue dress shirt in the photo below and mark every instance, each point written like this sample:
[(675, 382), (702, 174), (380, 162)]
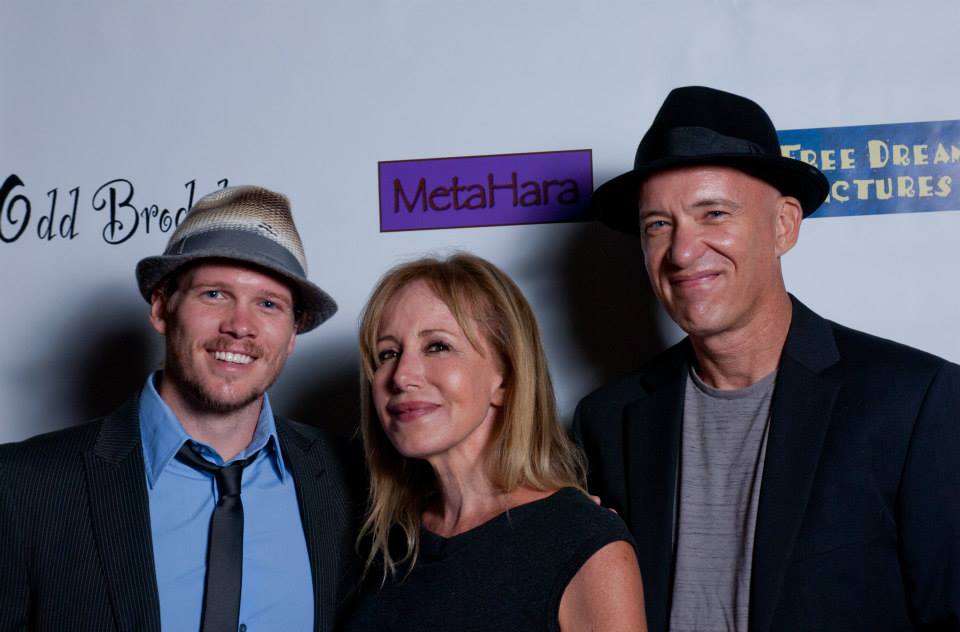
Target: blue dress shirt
[(277, 591)]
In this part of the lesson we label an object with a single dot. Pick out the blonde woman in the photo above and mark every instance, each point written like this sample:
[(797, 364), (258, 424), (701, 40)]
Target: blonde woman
[(477, 516)]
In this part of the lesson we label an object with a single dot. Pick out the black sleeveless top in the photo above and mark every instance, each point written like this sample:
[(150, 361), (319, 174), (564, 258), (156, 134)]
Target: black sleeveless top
[(506, 574)]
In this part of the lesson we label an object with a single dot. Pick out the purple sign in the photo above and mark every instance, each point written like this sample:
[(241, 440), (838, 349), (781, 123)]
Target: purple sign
[(495, 190)]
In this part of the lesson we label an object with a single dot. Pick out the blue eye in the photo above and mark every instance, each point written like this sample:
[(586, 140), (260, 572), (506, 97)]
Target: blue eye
[(213, 294), (437, 346), (655, 225), (716, 214)]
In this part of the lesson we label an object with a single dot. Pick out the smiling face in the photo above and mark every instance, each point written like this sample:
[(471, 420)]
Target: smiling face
[(434, 392), (229, 329), (712, 240)]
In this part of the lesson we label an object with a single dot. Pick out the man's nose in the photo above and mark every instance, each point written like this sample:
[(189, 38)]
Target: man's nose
[(239, 321), (686, 244)]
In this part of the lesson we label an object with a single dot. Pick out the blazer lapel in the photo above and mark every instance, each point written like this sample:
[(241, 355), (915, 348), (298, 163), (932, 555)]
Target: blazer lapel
[(652, 427), (315, 502), (801, 409), (120, 514)]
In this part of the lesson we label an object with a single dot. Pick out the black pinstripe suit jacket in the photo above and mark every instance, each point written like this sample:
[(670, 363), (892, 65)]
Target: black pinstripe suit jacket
[(75, 546)]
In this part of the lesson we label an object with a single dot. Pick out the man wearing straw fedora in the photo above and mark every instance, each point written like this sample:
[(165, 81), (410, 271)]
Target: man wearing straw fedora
[(779, 471), (192, 506)]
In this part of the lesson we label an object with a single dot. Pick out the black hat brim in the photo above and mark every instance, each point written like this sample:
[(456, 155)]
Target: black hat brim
[(615, 202)]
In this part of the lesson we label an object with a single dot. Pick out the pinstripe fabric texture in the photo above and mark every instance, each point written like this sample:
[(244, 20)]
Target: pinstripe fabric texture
[(75, 545)]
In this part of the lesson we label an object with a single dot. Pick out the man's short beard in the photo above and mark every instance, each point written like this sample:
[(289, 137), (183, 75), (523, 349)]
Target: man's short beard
[(197, 396), (201, 400)]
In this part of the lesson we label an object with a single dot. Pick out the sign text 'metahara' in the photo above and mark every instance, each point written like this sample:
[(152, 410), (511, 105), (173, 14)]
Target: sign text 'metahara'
[(494, 190)]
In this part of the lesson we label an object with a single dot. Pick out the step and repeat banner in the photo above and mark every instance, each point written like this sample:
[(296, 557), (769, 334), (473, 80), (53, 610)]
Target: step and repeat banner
[(399, 129)]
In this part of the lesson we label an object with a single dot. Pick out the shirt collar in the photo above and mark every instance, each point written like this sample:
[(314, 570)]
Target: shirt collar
[(163, 435)]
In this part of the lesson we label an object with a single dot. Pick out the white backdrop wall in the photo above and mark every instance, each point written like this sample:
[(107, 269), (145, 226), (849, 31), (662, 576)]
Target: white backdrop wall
[(305, 98)]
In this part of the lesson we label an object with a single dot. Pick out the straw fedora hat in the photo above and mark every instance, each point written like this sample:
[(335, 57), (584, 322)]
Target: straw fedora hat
[(248, 224)]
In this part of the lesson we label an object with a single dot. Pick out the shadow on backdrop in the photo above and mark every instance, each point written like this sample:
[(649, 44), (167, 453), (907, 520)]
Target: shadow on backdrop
[(612, 311), (95, 364), (319, 386)]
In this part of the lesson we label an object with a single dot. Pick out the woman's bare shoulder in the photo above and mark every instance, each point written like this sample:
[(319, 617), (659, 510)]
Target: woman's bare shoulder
[(606, 593)]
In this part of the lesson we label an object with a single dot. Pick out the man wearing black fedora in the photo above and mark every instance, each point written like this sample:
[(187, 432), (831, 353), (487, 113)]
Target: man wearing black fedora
[(779, 471), (192, 506)]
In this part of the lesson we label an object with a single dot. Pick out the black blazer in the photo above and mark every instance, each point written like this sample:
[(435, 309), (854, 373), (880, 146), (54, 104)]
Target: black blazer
[(858, 526), (75, 546)]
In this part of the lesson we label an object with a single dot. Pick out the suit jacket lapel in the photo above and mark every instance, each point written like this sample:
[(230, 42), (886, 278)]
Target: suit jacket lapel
[(652, 426), (801, 409), (120, 514), (315, 502)]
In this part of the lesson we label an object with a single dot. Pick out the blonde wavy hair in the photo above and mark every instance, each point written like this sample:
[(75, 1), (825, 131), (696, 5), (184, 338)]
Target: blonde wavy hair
[(529, 448)]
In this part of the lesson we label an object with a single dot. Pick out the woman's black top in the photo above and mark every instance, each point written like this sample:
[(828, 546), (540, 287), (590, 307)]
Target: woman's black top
[(504, 575)]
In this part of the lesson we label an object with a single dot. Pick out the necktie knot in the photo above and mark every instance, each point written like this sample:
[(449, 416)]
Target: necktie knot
[(229, 478)]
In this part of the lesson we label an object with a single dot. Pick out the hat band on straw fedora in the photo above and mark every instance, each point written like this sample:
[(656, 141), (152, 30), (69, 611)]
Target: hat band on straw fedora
[(240, 241), (701, 141)]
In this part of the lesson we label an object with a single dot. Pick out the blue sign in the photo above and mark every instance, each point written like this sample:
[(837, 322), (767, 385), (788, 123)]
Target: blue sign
[(877, 169)]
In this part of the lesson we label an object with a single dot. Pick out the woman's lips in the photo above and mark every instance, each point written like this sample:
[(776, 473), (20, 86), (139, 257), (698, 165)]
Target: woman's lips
[(408, 411)]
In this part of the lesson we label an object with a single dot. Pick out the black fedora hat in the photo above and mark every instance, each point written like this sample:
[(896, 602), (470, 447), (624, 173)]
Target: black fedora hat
[(696, 126)]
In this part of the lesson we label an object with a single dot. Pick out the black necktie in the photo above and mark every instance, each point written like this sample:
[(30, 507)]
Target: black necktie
[(221, 591)]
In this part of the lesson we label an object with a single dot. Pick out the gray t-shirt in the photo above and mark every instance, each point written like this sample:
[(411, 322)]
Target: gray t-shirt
[(723, 445)]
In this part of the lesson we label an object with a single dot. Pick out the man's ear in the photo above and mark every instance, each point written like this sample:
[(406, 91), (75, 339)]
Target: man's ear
[(158, 312), (789, 216)]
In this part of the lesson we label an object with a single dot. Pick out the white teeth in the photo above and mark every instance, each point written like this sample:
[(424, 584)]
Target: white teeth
[(236, 358)]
